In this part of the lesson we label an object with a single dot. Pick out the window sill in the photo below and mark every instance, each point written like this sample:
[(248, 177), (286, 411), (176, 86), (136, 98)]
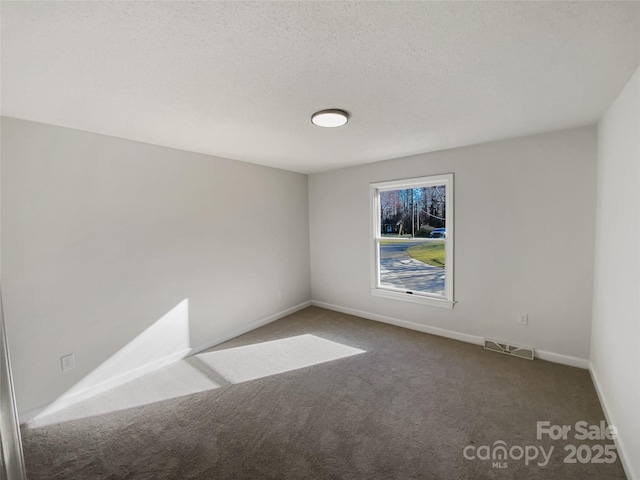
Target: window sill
[(407, 297)]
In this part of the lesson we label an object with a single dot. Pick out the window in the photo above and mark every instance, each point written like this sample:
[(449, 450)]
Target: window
[(412, 247)]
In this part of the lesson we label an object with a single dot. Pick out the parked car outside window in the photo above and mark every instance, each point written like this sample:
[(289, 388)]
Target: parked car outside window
[(439, 233)]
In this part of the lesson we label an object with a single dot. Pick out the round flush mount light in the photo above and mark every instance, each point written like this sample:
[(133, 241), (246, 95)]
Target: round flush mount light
[(330, 118)]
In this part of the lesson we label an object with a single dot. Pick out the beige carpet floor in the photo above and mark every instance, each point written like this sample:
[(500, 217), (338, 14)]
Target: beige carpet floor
[(323, 395)]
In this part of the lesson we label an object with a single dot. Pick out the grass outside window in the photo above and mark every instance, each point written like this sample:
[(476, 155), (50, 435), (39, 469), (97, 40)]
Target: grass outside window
[(430, 253)]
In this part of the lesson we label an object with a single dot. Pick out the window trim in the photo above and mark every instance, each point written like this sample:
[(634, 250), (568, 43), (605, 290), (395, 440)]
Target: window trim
[(446, 301)]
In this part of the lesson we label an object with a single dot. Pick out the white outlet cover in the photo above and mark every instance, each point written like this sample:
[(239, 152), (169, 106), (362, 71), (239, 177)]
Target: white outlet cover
[(523, 319), (68, 362)]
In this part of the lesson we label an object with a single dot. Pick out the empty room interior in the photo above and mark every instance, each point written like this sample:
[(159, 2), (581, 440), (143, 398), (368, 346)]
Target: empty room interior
[(320, 240)]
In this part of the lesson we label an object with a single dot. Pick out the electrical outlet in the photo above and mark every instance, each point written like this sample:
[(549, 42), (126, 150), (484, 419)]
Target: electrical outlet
[(523, 319), (68, 362)]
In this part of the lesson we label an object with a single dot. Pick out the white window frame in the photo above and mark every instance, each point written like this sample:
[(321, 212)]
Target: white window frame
[(445, 301)]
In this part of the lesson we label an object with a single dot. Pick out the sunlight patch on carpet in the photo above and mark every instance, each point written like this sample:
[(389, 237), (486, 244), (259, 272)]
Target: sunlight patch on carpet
[(199, 373), (250, 362)]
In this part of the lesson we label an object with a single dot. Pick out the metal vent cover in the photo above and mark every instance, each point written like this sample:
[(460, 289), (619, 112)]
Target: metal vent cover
[(513, 350)]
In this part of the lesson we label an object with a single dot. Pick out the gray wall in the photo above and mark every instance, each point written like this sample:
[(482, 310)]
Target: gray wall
[(524, 224), (103, 236), (615, 342)]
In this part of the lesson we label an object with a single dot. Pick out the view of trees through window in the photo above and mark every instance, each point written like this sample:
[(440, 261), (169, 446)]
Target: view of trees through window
[(413, 212), (412, 238)]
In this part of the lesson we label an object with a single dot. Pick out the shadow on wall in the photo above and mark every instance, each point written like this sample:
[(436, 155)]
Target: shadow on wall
[(162, 372)]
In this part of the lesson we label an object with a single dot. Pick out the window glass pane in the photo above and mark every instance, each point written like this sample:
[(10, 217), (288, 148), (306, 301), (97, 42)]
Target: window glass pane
[(414, 212), (413, 265), (413, 240)]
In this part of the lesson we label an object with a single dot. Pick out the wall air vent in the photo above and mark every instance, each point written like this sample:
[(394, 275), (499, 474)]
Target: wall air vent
[(513, 350)]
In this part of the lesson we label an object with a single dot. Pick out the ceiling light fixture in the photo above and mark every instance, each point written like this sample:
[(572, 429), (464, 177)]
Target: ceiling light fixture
[(330, 118)]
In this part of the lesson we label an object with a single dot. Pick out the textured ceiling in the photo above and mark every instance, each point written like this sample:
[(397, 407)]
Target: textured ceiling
[(240, 80)]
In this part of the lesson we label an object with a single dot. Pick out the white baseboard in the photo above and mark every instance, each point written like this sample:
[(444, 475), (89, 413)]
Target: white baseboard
[(29, 416), (623, 454), (463, 337), (563, 359), (247, 328), (441, 332)]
